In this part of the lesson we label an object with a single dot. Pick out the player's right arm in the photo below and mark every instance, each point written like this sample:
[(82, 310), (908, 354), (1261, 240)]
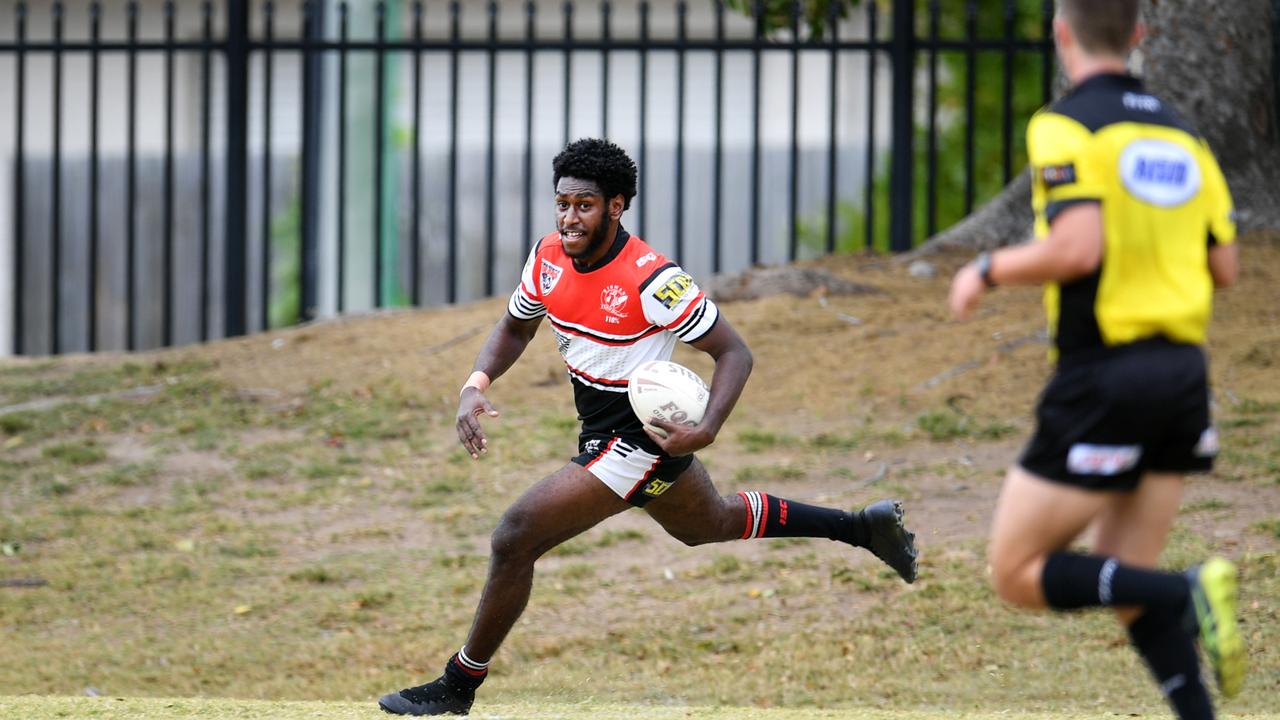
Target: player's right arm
[(505, 345)]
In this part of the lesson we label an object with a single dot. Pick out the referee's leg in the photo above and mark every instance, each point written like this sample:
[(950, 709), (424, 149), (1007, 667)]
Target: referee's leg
[(1035, 517), (1134, 530)]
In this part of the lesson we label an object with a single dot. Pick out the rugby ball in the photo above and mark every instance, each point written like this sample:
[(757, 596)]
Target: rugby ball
[(667, 391)]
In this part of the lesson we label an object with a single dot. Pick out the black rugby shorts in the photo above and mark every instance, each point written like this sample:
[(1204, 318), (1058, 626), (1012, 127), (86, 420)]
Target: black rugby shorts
[(1103, 421)]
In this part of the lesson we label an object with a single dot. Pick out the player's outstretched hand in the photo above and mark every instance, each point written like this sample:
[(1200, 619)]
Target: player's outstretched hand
[(680, 439), (471, 405), (966, 290)]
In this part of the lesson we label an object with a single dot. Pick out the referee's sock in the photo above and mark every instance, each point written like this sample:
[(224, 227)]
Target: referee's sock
[(1170, 653), (769, 516), (1071, 581)]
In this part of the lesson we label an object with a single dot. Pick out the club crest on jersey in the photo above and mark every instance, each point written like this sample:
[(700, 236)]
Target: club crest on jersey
[(549, 276), (613, 300)]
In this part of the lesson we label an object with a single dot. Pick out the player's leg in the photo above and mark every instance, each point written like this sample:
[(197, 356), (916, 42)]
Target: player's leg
[(1133, 530), (1035, 521), (1035, 517), (553, 510), (695, 513)]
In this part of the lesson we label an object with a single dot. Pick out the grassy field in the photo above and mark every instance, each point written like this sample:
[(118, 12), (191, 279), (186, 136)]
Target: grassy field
[(288, 517), (57, 708)]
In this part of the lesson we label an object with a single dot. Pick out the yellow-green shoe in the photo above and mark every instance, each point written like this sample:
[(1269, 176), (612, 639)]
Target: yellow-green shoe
[(1213, 597)]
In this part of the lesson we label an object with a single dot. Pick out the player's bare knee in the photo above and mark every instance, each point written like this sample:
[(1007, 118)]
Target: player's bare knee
[(510, 541), (1012, 582)]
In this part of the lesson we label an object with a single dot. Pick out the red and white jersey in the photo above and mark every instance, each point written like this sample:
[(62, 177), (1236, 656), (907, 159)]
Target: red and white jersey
[(608, 319)]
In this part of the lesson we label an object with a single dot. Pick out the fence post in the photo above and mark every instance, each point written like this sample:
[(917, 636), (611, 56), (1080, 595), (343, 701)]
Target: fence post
[(312, 132), (903, 52), (235, 258)]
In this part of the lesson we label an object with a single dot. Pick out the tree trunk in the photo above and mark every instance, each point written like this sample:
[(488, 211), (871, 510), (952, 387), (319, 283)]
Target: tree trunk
[(1211, 61)]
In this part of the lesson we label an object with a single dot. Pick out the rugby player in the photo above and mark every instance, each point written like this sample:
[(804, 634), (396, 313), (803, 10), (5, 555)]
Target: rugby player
[(1135, 228), (613, 303)]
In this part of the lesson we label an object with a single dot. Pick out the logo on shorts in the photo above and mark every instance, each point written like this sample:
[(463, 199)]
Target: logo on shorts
[(1055, 175), (656, 487), (613, 300), (1085, 459), (592, 447), (549, 276), (1208, 445)]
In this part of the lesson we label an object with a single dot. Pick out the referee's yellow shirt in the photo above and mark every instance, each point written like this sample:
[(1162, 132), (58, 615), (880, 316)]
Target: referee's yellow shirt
[(1164, 202)]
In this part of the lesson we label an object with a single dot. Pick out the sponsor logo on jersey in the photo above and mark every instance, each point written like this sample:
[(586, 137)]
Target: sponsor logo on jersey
[(1141, 102), (1087, 459), (592, 447), (549, 276), (646, 259), (1055, 175), (673, 290), (613, 300), (1159, 172)]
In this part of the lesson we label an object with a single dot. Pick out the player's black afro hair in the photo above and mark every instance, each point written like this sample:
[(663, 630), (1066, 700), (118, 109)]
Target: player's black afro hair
[(601, 162)]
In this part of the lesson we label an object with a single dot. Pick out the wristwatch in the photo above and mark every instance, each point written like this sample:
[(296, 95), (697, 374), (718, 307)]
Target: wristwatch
[(983, 263)]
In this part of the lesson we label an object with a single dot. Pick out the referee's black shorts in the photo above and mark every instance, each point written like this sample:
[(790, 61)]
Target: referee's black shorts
[(1105, 419)]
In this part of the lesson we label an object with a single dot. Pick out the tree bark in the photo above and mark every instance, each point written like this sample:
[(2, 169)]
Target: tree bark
[(1213, 61)]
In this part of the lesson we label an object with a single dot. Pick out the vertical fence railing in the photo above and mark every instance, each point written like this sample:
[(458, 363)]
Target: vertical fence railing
[(752, 37), (95, 36), (236, 222)]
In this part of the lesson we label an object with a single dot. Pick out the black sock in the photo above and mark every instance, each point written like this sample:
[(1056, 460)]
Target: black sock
[(1072, 581), (769, 516), (464, 672), (1170, 653)]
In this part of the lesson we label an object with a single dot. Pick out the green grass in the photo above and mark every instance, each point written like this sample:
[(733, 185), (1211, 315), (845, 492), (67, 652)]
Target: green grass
[(332, 545), (33, 707), (941, 425)]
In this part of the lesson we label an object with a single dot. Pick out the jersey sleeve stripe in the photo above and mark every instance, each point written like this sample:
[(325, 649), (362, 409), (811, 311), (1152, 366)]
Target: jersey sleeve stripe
[(705, 326), (529, 306), (1053, 209), (691, 320), (644, 284), (521, 308), (694, 304)]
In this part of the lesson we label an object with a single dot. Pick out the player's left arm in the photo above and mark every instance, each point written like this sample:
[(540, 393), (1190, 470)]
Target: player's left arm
[(733, 367)]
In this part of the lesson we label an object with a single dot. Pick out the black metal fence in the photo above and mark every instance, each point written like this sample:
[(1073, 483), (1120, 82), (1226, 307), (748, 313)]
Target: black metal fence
[(187, 245)]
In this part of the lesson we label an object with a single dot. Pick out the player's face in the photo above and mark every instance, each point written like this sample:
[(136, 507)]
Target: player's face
[(582, 217)]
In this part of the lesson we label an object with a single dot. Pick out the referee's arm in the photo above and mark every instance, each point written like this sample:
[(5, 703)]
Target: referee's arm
[(1224, 264), (1072, 250)]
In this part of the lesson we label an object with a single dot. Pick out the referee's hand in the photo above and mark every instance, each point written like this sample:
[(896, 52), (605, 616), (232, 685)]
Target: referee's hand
[(967, 288)]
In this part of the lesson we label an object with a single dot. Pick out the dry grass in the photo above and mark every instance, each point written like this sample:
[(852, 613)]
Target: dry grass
[(288, 517)]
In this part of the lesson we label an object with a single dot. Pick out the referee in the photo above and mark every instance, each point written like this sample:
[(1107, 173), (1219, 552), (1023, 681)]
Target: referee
[(1134, 228)]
